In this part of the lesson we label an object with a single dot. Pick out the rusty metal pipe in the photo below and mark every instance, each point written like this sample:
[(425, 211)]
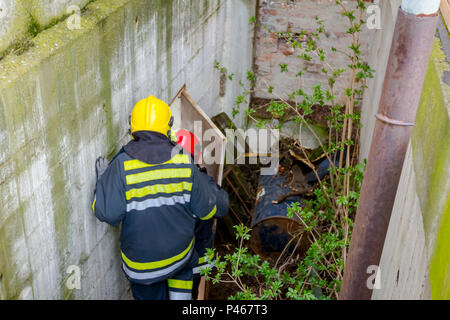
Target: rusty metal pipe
[(407, 65)]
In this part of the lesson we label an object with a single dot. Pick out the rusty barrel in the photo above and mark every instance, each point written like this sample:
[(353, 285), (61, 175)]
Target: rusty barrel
[(272, 229)]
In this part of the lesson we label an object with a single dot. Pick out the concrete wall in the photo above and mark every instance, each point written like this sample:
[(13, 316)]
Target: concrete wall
[(404, 262), (415, 263), (271, 51), (66, 101), (18, 16)]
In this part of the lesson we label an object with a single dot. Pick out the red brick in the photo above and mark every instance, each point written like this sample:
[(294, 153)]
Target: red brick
[(286, 49), (271, 51), (270, 39), (266, 57), (272, 12)]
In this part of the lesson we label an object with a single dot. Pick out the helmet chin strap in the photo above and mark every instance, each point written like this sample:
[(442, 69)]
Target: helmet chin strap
[(129, 129)]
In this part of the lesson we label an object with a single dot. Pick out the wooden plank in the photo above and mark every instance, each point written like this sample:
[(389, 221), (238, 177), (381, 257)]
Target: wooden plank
[(183, 88), (445, 10), (186, 111)]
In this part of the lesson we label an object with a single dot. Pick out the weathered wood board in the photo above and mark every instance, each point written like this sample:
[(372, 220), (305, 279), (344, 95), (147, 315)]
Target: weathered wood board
[(186, 112)]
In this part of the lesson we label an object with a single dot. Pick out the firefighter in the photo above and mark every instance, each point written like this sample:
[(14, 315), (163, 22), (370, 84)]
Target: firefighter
[(157, 194), (203, 229)]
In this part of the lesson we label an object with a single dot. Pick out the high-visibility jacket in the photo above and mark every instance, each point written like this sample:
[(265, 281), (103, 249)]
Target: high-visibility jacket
[(158, 204)]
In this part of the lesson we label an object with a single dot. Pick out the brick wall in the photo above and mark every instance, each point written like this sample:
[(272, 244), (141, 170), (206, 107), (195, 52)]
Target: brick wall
[(294, 16)]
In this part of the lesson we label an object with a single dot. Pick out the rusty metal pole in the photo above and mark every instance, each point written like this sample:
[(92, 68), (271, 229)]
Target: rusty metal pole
[(407, 65)]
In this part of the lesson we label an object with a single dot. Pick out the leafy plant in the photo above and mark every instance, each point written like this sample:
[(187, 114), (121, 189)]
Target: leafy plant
[(328, 215)]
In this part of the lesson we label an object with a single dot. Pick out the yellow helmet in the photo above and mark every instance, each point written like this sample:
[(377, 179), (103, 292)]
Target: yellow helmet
[(151, 114)]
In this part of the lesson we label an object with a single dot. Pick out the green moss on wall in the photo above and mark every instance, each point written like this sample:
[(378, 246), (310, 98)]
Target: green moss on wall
[(51, 65), (11, 233), (106, 92), (431, 154), (440, 264), (168, 14), (50, 41), (29, 18), (16, 29)]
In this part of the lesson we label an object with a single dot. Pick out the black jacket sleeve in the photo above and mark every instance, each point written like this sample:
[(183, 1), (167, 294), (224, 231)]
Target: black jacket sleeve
[(208, 200), (110, 204), (222, 201)]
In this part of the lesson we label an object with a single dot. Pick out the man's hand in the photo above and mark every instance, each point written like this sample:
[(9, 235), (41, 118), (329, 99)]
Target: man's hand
[(101, 164)]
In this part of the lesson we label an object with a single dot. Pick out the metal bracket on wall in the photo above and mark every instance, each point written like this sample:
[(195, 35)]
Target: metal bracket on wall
[(394, 122)]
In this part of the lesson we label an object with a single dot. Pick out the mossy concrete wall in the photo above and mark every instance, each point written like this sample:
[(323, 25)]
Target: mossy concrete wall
[(18, 18), (66, 101), (415, 263)]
